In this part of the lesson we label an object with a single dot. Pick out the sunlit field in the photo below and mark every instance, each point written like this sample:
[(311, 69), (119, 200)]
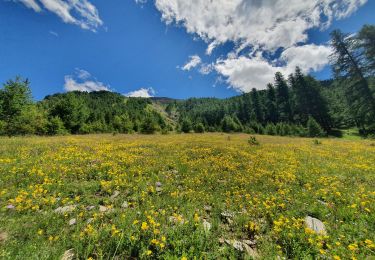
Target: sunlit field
[(184, 196)]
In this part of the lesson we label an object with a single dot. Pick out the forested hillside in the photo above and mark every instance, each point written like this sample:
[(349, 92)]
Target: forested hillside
[(293, 104)]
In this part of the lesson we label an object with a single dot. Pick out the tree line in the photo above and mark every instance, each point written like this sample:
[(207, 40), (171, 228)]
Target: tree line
[(295, 104)]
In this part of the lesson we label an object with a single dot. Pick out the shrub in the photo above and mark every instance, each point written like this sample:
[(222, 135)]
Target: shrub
[(270, 129), (199, 128), (186, 126), (229, 125), (253, 141), (314, 129), (149, 126)]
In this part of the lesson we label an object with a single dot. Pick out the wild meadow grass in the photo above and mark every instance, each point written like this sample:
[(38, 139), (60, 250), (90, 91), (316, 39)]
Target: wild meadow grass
[(183, 196)]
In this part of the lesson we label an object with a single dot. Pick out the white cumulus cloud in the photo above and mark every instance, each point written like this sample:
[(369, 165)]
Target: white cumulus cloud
[(194, 61), (244, 73), (261, 27), (78, 12), (83, 81), (142, 92)]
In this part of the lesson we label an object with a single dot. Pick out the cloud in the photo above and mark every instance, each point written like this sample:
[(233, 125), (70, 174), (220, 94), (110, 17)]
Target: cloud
[(31, 4), (142, 92), (78, 12), (308, 57), (83, 81), (268, 23), (194, 61), (244, 73), (54, 33), (206, 69), (258, 28)]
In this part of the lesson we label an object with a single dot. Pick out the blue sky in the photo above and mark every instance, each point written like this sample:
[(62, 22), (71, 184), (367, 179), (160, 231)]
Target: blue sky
[(126, 47)]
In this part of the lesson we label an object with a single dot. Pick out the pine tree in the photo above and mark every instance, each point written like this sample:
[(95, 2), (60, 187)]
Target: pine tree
[(257, 106), (282, 98), (313, 128), (366, 41), (308, 100), (271, 104), (348, 61)]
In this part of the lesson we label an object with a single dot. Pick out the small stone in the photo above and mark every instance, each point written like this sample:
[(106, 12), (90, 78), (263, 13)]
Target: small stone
[(206, 225), (125, 205), (323, 202), (66, 209), (68, 255), (90, 207), (10, 206), (103, 208), (249, 242), (250, 251), (207, 208), (238, 245), (316, 225), (227, 217), (3, 237), (72, 222), (158, 184), (115, 194)]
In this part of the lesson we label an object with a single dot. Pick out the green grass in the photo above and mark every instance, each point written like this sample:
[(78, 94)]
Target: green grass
[(174, 185)]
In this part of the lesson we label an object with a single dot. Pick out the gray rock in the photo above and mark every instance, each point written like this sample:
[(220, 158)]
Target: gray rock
[(66, 209), (243, 247), (207, 208), (125, 205), (68, 255), (206, 225), (72, 222), (227, 217), (249, 242), (103, 208), (115, 194), (316, 225), (250, 251), (238, 245), (90, 207)]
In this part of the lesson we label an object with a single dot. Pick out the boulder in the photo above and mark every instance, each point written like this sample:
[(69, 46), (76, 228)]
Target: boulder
[(316, 225)]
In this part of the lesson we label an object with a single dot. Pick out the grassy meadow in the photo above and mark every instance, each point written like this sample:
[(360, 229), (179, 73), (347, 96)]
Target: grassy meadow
[(185, 196)]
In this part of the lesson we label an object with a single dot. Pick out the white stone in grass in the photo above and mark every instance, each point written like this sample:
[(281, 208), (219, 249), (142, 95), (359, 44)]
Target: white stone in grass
[(206, 225), (125, 205), (316, 225), (115, 194), (103, 208), (72, 222), (68, 255), (90, 207), (250, 251), (66, 209)]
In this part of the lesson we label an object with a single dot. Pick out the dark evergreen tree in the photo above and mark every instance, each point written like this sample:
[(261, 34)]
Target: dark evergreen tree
[(282, 98), (271, 104), (349, 64), (257, 106)]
